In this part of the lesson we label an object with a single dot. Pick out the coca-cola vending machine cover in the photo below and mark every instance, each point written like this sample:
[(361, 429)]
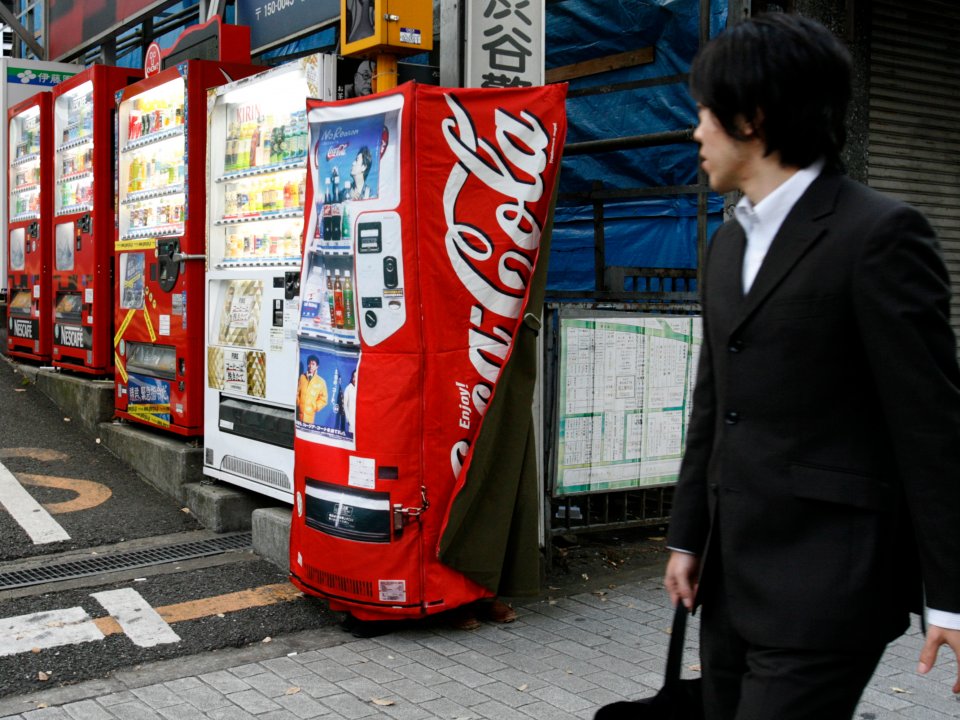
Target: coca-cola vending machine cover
[(427, 211)]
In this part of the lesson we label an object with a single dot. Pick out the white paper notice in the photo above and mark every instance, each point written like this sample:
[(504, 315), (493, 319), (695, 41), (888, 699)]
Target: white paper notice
[(164, 325), (235, 371), (361, 473), (88, 295), (276, 339)]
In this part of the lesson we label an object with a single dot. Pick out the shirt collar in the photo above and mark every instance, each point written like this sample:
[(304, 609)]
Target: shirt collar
[(773, 209)]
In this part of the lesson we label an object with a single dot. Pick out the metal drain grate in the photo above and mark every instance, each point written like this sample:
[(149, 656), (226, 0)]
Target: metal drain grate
[(68, 570)]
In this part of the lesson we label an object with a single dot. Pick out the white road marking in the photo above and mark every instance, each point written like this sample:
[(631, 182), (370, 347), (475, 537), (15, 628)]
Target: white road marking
[(46, 630), (31, 516), (141, 623)]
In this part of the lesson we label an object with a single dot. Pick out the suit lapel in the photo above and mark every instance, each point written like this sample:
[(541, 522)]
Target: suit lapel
[(801, 229)]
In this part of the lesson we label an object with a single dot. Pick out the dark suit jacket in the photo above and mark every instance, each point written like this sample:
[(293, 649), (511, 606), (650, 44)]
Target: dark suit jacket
[(821, 477)]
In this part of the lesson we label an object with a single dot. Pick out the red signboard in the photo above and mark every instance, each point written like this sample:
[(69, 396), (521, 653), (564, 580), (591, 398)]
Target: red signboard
[(151, 60)]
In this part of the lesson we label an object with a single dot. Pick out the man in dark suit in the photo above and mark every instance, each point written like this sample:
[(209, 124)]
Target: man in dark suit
[(819, 497)]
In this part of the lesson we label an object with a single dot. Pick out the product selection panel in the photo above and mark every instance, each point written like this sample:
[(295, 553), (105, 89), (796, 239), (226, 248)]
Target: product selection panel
[(379, 261)]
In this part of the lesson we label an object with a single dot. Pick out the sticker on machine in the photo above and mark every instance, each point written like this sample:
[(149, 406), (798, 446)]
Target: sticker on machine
[(393, 591)]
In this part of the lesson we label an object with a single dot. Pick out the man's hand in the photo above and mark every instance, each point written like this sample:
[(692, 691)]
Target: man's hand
[(936, 636), (681, 578)]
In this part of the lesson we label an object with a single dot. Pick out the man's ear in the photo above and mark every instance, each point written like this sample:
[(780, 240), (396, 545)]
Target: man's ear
[(751, 128)]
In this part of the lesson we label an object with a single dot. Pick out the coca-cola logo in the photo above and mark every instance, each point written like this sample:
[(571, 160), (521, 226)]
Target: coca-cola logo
[(335, 151), (496, 273)]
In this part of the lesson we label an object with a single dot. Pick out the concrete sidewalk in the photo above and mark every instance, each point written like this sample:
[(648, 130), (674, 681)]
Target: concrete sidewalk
[(562, 659)]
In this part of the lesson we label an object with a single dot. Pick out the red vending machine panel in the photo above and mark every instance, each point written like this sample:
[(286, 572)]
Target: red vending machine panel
[(29, 244), (160, 248), (426, 214), (84, 218)]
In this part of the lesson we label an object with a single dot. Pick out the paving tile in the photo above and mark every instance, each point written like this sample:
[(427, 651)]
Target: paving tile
[(348, 707), (252, 701), (303, 706), (157, 696), (225, 682), (87, 710), (135, 710)]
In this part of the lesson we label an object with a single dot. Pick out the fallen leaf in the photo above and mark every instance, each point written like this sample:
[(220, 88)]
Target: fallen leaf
[(585, 576), (523, 687), (41, 706), (383, 702), (35, 650), (901, 691), (291, 654), (695, 667), (98, 441), (599, 593), (220, 615), (19, 390), (267, 639), (551, 587), (185, 510), (551, 602), (658, 538), (66, 419), (292, 690), (42, 676)]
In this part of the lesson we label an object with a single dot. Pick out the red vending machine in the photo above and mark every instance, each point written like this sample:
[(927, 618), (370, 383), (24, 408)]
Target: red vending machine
[(160, 250), (29, 243), (426, 216), (84, 222)]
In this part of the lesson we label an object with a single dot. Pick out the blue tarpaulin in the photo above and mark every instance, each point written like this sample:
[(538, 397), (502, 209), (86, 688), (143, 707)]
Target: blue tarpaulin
[(658, 232)]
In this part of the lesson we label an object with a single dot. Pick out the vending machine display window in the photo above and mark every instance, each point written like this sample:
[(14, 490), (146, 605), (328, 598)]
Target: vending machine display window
[(25, 166), (152, 163), (74, 151), (259, 174)]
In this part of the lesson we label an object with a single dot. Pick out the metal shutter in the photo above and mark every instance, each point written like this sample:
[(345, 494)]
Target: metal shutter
[(915, 115)]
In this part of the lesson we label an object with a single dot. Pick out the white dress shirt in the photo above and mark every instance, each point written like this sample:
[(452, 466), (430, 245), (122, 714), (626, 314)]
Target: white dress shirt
[(762, 221)]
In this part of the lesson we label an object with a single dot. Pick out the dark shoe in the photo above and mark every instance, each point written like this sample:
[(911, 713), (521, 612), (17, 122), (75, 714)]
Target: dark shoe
[(367, 628), (499, 612), (464, 618)]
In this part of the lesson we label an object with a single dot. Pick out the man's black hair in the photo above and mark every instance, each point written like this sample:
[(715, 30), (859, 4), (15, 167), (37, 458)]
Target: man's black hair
[(787, 76), (313, 358)]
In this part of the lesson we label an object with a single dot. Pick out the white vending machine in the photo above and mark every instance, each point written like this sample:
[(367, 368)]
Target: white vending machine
[(256, 166)]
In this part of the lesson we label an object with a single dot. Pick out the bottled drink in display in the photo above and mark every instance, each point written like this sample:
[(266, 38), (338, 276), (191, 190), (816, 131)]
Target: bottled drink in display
[(327, 198), (330, 308), (337, 301), (335, 179), (255, 144), (348, 317), (345, 225)]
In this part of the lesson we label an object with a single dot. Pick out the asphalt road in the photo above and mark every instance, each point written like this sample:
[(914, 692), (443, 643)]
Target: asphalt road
[(63, 631)]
